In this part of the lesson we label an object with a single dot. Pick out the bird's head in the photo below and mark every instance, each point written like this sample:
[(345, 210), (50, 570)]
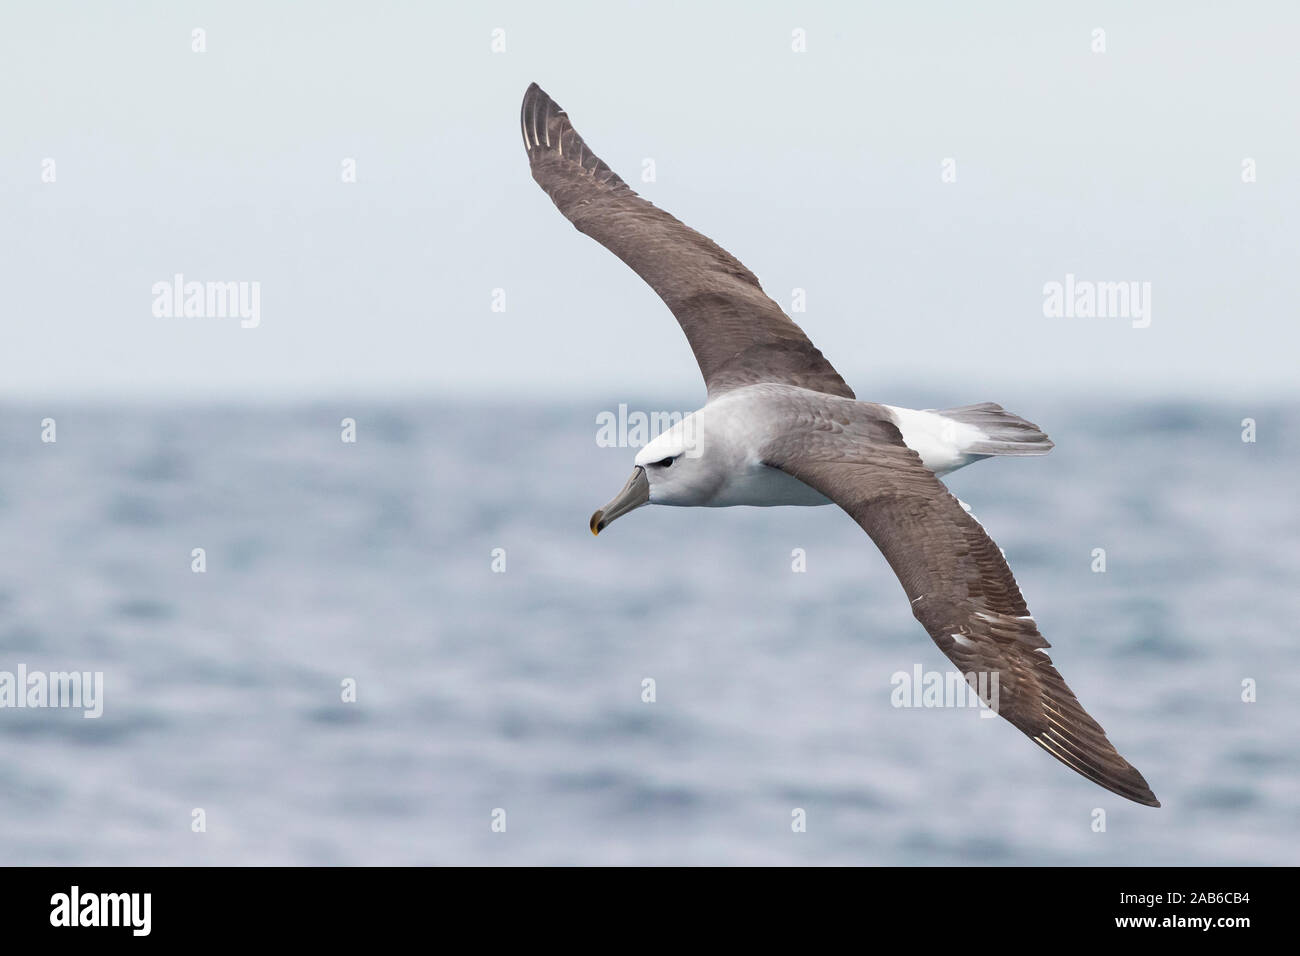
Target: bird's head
[(671, 470)]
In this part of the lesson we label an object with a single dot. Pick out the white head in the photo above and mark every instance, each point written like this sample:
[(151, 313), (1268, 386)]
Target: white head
[(671, 470)]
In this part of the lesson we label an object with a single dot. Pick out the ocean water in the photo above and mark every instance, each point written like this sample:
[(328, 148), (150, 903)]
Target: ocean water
[(480, 690)]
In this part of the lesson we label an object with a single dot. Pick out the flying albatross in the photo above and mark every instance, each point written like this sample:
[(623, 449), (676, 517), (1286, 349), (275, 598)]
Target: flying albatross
[(781, 427)]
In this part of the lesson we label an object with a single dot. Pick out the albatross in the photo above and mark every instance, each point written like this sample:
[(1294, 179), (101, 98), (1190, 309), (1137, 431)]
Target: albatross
[(781, 427)]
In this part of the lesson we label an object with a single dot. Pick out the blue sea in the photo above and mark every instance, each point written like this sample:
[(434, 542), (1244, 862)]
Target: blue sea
[(441, 566)]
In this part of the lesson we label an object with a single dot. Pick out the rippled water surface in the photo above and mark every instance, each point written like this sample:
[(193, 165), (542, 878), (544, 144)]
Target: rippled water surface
[(522, 690)]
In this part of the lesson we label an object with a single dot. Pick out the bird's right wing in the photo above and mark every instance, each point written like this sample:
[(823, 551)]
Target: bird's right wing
[(959, 584), (738, 334)]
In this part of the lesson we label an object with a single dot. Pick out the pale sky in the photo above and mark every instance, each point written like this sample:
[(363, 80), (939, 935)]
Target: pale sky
[(821, 170)]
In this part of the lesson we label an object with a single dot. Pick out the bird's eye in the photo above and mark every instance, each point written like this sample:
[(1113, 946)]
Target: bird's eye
[(664, 463)]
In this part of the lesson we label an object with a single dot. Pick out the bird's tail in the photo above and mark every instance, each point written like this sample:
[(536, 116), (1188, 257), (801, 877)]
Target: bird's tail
[(1004, 433)]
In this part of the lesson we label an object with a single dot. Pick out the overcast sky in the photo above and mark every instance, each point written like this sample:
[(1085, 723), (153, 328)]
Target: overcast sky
[(821, 170)]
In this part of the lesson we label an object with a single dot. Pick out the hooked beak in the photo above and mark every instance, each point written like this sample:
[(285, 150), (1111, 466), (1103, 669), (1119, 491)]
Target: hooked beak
[(634, 494)]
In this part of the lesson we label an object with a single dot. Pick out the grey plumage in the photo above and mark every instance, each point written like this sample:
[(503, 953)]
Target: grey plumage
[(1008, 434)]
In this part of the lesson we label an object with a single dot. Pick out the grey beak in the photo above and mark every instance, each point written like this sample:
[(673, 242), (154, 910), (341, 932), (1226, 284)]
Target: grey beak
[(634, 494)]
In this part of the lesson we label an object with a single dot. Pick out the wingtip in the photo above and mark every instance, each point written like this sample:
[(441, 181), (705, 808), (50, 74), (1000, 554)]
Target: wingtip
[(1145, 796), (534, 115), (1138, 791), (535, 95)]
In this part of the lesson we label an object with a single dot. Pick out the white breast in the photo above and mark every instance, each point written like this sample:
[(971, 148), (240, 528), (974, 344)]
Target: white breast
[(764, 487)]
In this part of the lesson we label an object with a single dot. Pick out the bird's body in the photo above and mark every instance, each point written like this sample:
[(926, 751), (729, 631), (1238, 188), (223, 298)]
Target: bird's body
[(781, 427), (723, 445), (738, 425)]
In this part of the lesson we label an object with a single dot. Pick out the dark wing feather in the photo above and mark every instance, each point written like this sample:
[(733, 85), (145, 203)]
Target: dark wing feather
[(959, 584), (738, 334)]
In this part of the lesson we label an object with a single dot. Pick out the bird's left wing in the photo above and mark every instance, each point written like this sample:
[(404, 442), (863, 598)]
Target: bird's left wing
[(959, 584)]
